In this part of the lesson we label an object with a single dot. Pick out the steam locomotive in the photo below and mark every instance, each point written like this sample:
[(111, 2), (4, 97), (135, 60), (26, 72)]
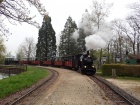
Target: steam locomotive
[(86, 65), (82, 63)]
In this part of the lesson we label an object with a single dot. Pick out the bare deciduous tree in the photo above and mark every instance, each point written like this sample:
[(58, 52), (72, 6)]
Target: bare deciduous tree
[(99, 12), (2, 50), (135, 25), (131, 31), (17, 10), (136, 7), (118, 27), (20, 53), (134, 19), (27, 49)]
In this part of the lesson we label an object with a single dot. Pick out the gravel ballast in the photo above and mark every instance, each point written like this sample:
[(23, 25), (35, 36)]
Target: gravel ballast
[(73, 88)]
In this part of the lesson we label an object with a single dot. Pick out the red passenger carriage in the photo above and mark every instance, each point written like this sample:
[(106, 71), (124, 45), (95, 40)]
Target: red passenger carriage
[(47, 63), (58, 62)]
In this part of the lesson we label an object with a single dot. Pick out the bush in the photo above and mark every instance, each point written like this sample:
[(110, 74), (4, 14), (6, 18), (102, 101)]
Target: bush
[(121, 70)]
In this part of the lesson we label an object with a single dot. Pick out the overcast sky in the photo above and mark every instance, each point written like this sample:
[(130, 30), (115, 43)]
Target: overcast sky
[(59, 11)]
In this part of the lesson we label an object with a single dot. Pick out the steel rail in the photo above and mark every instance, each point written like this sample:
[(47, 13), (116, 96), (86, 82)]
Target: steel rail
[(127, 97), (32, 90)]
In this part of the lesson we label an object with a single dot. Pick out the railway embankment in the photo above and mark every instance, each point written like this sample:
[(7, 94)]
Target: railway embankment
[(21, 81), (13, 69)]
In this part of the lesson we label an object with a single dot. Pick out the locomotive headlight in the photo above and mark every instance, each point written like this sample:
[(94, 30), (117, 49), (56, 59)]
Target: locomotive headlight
[(93, 66), (85, 66)]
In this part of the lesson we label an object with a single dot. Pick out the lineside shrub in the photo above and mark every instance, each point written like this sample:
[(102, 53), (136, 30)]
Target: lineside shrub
[(121, 70)]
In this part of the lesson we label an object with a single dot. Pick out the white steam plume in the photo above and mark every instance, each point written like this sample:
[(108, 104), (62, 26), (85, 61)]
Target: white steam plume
[(75, 34), (100, 39), (94, 42), (86, 24), (96, 38)]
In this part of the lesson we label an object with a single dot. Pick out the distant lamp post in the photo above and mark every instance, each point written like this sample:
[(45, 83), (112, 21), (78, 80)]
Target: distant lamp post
[(104, 59), (126, 54)]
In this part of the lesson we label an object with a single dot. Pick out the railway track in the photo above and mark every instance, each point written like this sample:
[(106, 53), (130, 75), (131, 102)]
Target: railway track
[(32, 93), (117, 95)]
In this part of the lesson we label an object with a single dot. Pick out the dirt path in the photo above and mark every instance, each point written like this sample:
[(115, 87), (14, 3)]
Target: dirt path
[(73, 88)]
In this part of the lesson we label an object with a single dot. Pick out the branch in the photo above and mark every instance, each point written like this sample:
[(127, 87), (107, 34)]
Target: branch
[(16, 10)]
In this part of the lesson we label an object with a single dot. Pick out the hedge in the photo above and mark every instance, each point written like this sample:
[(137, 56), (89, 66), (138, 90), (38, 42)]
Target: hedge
[(121, 70)]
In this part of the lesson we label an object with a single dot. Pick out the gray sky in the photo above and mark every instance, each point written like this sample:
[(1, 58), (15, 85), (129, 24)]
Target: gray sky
[(59, 10)]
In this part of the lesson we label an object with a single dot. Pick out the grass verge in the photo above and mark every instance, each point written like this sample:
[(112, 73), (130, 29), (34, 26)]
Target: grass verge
[(21, 81)]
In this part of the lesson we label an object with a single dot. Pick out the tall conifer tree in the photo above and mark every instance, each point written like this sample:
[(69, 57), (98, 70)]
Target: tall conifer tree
[(68, 45), (46, 46)]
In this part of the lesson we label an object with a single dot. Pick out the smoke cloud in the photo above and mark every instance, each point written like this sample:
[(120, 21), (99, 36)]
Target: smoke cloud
[(86, 24), (94, 42), (96, 38), (75, 35)]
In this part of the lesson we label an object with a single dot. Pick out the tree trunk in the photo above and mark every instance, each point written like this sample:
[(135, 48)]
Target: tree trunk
[(100, 60), (134, 48), (138, 48), (108, 56)]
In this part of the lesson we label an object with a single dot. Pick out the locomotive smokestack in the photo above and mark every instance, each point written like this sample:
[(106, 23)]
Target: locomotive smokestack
[(88, 52)]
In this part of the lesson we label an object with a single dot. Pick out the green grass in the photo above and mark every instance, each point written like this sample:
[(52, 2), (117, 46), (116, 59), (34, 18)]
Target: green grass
[(98, 72), (21, 81), (129, 78)]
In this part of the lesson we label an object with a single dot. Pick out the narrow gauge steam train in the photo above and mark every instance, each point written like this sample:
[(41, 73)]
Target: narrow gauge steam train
[(82, 63)]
